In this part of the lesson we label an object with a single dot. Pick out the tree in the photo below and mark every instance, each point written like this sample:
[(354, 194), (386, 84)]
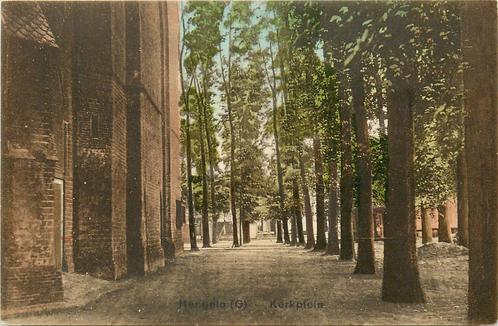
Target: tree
[(250, 98), (321, 243), (333, 243), (401, 280), (330, 129), (444, 228), (306, 94), (201, 105), (272, 83), (479, 36), (336, 36), (366, 254), (236, 23), (427, 215), (202, 40), (346, 183), (185, 99)]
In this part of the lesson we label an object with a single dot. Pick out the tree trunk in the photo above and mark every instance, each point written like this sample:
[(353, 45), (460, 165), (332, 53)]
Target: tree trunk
[(479, 29), (275, 126), (281, 193), (310, 236), (297, 212), (462, 200), (321, 242), (190, 200), (246, 227), (333, 243), (205, 202), (427, 214), (443, 223), (191, 219), (293, 241), (233, 204), (366, 254), (211, 183), (279, 231), (228, 94), (401, 281), (346, 184), (210, 153), (242, 218)]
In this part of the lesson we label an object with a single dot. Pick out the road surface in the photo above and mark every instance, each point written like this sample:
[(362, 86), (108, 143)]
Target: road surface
[(264, 282)]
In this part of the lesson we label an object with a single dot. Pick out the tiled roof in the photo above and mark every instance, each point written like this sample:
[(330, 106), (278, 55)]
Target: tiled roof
[(27, 21)]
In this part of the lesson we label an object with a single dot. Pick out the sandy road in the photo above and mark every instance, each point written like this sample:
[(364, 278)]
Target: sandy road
[(268, 283)]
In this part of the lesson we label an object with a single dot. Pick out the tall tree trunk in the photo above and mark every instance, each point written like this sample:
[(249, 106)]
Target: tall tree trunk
[(279, 231), (462, 200), (211, 180), (427, 214), (297, 211), (284, 92), (333, 243), (233, 204), (272, 82), (443, 228), (228, 94), (401, 281), (205, 201), (242, 217), (310, 236), (293, 241), (281, 193), (210, 155), (321, 242), (209, 149), (479, 31), (190, 198), (245, 234), (366, 254), (346, 184)]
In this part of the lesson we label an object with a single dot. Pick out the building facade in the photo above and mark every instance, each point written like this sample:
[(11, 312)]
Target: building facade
[(90, 143)]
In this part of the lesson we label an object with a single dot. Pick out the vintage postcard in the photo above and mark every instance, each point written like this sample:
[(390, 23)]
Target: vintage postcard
[(249, 162)]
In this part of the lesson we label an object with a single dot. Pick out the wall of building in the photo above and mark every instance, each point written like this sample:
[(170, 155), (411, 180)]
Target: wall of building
[(90, 102), (151, 116), (174, 93), (100, 147), (29, 89)]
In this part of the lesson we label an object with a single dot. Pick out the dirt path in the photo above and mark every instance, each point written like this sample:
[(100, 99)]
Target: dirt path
[(265, 282)]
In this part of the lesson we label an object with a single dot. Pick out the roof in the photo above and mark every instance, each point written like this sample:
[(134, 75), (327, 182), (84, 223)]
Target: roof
[(27, 21)]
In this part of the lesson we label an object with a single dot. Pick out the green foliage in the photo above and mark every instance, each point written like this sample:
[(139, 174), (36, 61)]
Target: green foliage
[(299, 50)]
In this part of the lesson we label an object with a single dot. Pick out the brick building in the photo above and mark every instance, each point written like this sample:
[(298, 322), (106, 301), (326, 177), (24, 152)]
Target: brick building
[(90, 143)]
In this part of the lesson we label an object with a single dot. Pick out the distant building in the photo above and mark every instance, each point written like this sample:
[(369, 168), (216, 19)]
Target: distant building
[(90, 143)]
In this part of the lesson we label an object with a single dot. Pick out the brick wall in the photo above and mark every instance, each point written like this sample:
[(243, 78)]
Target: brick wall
[(69, 113), (173, 76), (58, 16), (119, 140), (151, 133), (29, 275), (100, 170)]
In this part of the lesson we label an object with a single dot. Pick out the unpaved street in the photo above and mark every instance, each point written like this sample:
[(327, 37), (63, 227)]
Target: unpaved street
[(264, 282)]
